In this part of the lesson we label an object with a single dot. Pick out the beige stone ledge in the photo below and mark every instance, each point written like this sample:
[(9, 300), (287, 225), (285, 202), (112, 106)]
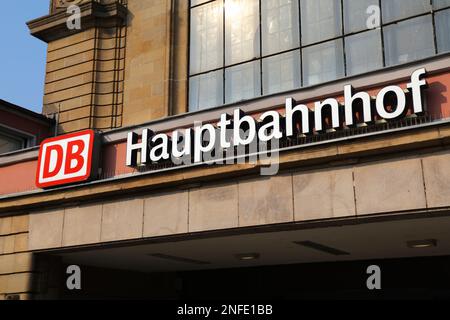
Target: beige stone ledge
[(437, 180), (82, 225), (122, 220), (46, 229), (267, 200), (395, 185), (213, 207), (166, 214), (381, 187), (324, 194)]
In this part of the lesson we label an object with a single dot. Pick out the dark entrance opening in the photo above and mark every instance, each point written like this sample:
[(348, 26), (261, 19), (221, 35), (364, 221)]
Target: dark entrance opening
[(413, 278)]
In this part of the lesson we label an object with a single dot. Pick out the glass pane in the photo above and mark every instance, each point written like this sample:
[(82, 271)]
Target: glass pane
[(442, 30), (206, 47), (439, 4), (321, 20), (241, 30), (399, 9), (282, 72), (197, 2), (280, 25), (9, 144), (355, 14), (242, 82), (363, 52), (409, 40), (206, 91), (322, 63)]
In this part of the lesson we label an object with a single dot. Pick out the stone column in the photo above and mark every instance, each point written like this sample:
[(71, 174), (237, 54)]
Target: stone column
[(127, 65), (16, 261), (85, 67)]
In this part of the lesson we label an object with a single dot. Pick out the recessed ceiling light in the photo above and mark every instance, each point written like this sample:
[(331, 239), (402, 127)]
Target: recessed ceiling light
[(247, 256), (420, 244)]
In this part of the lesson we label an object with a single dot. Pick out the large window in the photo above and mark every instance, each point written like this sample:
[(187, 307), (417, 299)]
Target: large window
[(242, 49)]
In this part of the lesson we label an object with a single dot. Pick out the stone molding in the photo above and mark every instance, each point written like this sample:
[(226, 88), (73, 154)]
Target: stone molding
[(93, 14)]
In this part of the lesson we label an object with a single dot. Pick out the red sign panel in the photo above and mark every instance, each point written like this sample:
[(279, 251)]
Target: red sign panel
[(66, 159)]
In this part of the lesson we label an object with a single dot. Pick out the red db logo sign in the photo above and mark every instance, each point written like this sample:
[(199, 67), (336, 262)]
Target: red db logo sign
[(66, 159)]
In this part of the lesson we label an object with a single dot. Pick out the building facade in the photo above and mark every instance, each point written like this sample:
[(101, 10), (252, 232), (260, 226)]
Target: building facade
[(21, 128), (363, 173)]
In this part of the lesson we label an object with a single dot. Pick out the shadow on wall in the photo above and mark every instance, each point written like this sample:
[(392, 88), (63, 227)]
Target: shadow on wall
[(436, 97)]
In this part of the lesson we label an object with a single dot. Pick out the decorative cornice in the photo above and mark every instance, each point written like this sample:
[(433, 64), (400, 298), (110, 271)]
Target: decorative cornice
[(64, 4), (54, 26)]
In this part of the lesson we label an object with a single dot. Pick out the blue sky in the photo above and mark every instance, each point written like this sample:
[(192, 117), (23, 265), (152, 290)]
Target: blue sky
[(22, 59)]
